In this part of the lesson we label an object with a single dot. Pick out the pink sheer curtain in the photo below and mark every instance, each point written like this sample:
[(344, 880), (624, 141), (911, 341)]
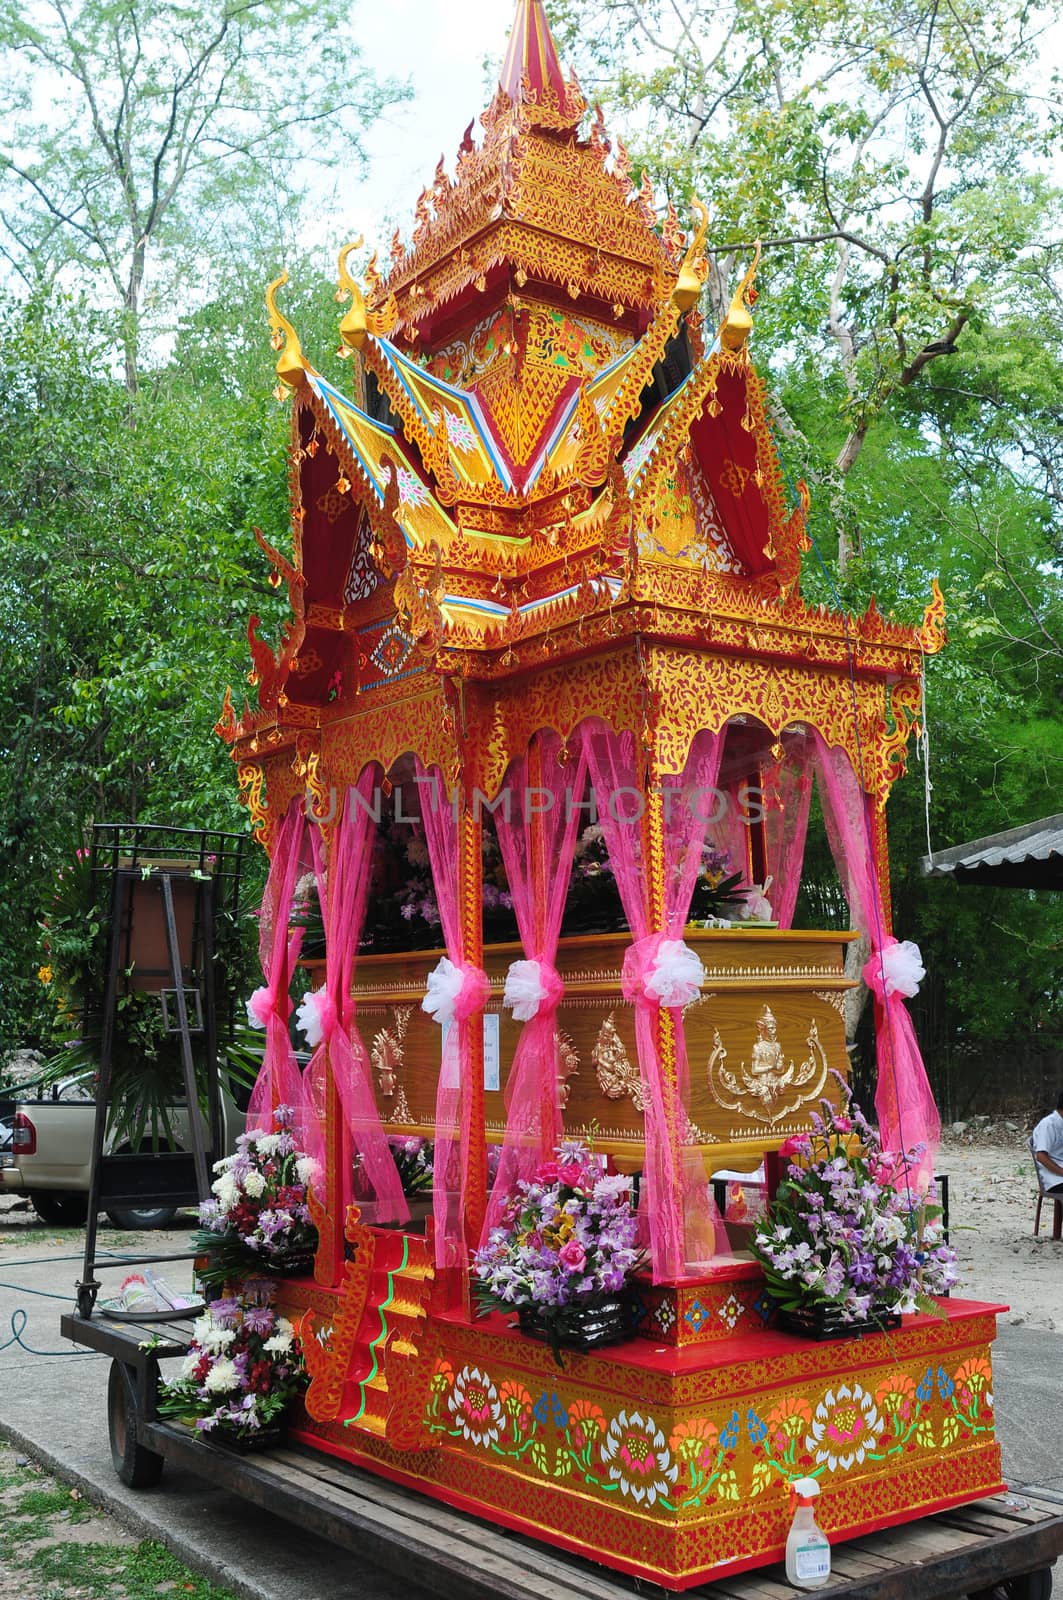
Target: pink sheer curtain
[(537, 829), (677, 1210), (787, 785), (760, 788), (470, 993), (907, 1113), (278, 1081), (343, 879)]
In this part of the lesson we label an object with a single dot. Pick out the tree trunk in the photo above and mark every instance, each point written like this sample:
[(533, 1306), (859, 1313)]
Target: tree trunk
[(857, 955), (844, 461), (131, 316)]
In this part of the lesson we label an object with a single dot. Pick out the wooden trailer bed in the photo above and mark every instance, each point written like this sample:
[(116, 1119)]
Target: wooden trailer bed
[(1007, 1542)]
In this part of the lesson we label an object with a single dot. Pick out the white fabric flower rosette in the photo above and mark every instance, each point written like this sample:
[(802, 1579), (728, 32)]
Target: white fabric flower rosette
[(443, 988), (531, 986), (897, 969), (316, 1016), (675, 975)]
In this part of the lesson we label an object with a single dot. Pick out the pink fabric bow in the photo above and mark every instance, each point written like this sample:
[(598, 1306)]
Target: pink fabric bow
[(278, 1081), (474, 993), (462, 991)]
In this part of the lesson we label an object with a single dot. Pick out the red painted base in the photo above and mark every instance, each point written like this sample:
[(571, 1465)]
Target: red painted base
[(672, 1461)]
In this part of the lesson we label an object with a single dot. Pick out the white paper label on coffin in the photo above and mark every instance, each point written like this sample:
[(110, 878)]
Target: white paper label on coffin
[(492, 1081)]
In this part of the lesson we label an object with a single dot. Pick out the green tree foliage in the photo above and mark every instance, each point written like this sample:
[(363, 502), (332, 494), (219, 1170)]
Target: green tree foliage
[(151, 148), (130, 569), (137, 126)]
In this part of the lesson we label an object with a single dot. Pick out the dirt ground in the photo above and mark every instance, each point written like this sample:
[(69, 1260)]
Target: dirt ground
[(992, 1191)]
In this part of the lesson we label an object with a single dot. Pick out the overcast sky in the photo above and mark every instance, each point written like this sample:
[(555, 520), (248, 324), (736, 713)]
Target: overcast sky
[(441, 47)]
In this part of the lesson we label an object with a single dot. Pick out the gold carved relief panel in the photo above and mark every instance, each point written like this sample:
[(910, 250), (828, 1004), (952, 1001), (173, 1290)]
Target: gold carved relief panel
[(760, 1042)]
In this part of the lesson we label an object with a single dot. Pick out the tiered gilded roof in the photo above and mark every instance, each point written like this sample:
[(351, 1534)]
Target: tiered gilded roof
[(551, 442)]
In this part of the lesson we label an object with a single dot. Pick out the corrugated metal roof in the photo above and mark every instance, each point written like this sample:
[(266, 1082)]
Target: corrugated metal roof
[(1030, 857)]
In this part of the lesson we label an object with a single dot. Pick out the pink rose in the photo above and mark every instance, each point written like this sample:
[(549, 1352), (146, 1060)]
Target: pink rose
[(572, 1256)]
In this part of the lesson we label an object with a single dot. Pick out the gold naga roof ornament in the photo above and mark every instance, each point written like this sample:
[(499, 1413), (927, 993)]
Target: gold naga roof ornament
[(291, 363), (738, 323), (359, 322), (695, 267)]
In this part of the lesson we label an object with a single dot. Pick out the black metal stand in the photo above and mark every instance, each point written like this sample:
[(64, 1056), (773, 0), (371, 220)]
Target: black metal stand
[(158, 1177)]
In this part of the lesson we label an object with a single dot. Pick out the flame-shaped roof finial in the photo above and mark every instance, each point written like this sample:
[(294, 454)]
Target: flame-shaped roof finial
[(531, 56)]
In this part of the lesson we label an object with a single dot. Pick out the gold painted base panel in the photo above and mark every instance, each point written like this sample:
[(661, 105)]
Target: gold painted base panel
[(674, 1463)]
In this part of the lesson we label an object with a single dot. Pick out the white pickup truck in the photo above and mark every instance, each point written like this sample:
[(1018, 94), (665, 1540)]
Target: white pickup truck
[(46, 1153)]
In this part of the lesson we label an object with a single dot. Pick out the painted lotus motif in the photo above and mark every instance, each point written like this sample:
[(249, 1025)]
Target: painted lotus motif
[(896, 1394), (475, 1406), (637, 1457), (695, 1440), (845, 1426)]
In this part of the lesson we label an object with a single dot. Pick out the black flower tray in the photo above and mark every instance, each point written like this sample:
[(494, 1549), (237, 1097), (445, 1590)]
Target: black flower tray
[(581, 1327), (825, 1322), (241, 1444)]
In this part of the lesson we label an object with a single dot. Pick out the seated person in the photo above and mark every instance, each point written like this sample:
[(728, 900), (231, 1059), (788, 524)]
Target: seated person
[(1048, 1149)]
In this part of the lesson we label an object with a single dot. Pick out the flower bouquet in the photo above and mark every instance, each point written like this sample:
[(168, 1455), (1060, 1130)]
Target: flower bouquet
[(413, 1158), (242, 1369), (845, 1245), (563, 1253), (259, 1221), (717, 895)]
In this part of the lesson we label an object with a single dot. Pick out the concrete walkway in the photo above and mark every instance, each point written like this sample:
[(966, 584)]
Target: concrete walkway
[(53, 1407)]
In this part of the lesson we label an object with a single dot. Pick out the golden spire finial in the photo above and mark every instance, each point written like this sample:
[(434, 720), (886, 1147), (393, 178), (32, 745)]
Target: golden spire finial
[(291, 366), (695, 268), (738, 324), (359, 322)]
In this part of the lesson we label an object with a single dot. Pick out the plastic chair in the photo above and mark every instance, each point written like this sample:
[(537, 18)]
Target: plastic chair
[(1042, 1196)]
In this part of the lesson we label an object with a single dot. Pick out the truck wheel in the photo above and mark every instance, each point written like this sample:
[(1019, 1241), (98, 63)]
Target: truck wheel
[(138, 1219), (137, 1467), (59, 1209)]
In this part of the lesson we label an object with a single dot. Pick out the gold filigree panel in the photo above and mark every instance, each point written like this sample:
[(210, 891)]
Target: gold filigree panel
[(384, 732), (696, 691), (503, 719)]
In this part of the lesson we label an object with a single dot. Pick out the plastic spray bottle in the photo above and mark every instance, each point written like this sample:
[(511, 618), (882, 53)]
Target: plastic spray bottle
[(807, 1546)]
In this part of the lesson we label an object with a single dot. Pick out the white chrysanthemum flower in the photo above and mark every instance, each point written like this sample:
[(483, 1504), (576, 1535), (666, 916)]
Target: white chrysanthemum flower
[(254, 1184), (279, 1344), (222, 1377), (267, 1143), (307, 1169)]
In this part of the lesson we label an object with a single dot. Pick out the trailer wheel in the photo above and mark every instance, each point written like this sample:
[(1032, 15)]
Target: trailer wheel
[(1028, 1586), (137, 1467), (1031, 1586)]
